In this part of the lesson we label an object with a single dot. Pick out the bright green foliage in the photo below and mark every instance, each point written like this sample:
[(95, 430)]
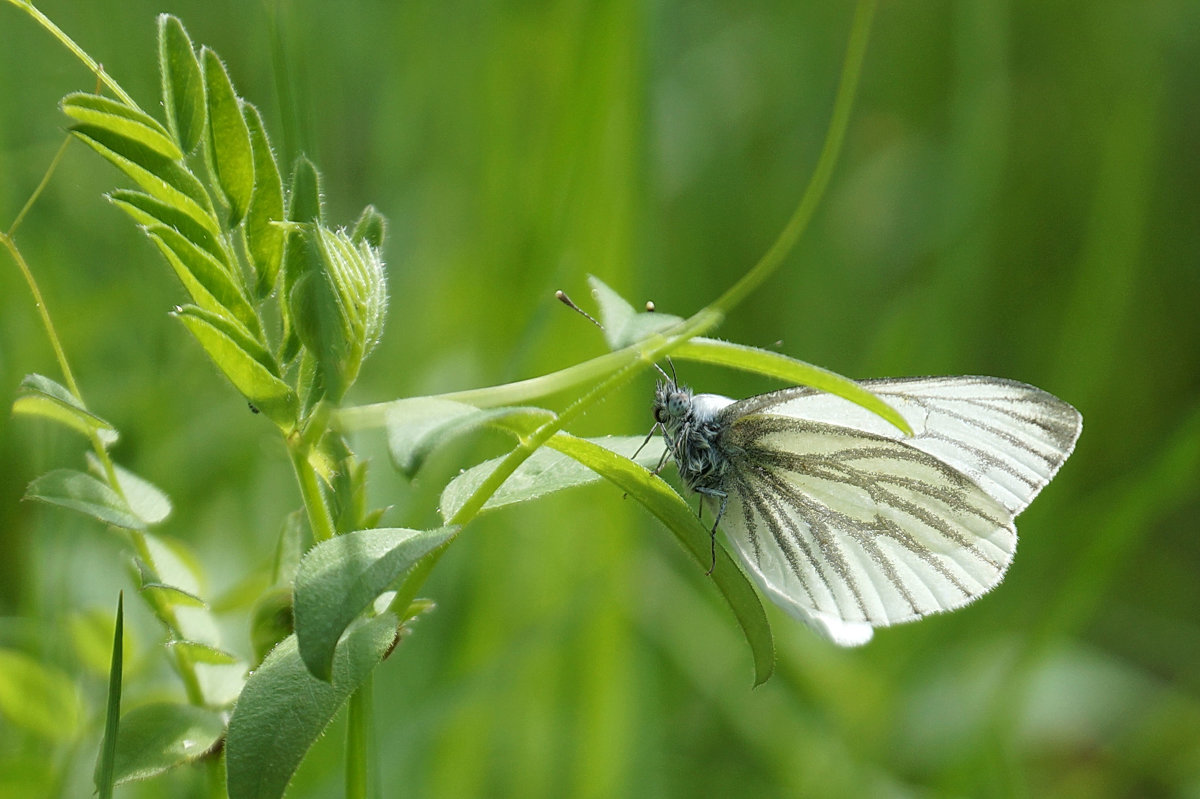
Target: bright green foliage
[(339, 578), (228, 143), (41, 396), (543, 473), (283, 708), (182, 83), (249, 367), (338, 304), (149, 211), (159, 175), (102, 113), (160, 736), (264, 235), (81, 492), (371, 228), (417, 426)]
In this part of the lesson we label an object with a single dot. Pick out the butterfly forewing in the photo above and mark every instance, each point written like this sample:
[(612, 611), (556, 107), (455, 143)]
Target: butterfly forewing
[(849, 525), (1008, 437)]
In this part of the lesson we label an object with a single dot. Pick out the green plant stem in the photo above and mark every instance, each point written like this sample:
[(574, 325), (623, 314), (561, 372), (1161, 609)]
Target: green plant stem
[(839, 120), (319, 517), (360, 743), (75, 50), (60, 355), (37, 192)]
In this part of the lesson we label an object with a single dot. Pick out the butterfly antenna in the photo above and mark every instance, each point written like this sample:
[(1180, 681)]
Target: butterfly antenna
[(562, 297)]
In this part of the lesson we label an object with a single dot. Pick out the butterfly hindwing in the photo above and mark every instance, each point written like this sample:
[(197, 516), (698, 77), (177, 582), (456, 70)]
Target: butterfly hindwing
[(843, 527)]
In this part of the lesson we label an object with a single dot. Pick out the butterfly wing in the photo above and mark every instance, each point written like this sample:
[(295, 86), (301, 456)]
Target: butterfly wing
[(848, 525)]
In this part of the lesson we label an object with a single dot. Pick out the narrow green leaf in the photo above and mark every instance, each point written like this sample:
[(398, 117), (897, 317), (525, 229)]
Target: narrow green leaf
[(170, 562), (240, 358), (542, 473), (236, 331), (670, 508), (339, 578), (264, 237), (162, 594), (41, 396), (149, 211), (38, 697), (121, 120), (105, 763), (773, 364), (208, 281), (303, 206), (304, 198), (169, 578), (145, 499), (417, 426), (158, 737), (283, 709), (182, 83), (371, 227), (199, 652), (76, 490), (228, 137), (622, 325), (155, 173)]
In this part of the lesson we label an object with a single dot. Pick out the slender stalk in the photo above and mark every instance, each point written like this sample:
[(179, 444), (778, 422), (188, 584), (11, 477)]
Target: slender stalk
[(360, 743), (60, 355), (315, 505), (76, 50), (37, 192), (830, 150)]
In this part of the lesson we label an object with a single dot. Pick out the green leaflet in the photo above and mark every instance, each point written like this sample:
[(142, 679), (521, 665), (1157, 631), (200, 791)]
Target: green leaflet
[(182, 83)]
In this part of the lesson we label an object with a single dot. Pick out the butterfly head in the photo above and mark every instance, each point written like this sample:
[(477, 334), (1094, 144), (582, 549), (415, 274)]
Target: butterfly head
[(672, 405)]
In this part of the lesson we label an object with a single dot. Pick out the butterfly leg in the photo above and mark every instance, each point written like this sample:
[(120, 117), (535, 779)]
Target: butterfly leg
[(712, 534)]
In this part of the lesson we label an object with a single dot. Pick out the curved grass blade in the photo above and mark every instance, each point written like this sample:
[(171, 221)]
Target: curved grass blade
[(105, 768)]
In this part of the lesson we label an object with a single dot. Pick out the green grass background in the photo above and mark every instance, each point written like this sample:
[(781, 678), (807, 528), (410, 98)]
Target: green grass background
[(1019, 195)]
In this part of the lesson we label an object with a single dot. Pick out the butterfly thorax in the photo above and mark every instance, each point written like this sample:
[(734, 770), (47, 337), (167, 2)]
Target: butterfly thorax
[(692, 433)]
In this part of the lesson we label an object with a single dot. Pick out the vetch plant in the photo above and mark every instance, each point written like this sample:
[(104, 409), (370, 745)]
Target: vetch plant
[(288, 306)]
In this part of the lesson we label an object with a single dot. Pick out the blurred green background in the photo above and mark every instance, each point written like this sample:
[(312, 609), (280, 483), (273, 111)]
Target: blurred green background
[(1019, 195)]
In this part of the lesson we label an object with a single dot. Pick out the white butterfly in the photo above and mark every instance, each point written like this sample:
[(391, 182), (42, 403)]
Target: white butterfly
[(847, 523)]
